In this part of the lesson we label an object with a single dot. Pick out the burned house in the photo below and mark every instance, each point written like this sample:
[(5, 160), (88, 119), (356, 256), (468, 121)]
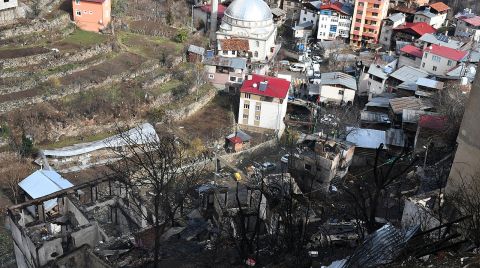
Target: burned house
[(93, 215), (320, 160)]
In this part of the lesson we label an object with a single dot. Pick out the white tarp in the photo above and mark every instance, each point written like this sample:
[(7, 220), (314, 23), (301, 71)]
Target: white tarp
[(142, 134)]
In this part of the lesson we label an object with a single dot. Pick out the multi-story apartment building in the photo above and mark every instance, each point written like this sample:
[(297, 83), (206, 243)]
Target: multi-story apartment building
[(263, 103), (438, 60), (367, 20), (334, 21)]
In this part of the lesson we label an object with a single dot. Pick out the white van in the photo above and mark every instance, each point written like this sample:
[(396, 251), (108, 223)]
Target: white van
[(297, 67)]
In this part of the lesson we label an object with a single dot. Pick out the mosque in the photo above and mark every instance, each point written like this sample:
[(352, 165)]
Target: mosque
[(247, 30)]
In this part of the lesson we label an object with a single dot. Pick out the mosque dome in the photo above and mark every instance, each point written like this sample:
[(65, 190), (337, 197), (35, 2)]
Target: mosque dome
[(249, 10)]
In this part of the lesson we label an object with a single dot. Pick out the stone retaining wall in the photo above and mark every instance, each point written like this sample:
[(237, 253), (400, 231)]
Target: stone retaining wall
[(37, 25)]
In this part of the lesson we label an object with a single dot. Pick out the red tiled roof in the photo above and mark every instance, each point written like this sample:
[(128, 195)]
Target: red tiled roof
[(208, 9), (440, 6), (412, 50), (235, 44), (436, 122), (419, 28), (446, 52), (276, 87), (475, 21)]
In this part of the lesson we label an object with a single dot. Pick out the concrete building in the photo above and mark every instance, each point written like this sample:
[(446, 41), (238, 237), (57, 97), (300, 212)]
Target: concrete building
[(226, 72), (409, 32), (263, 103), (92, 15), (367, 20), (202, 15), (81, 223), (389, 23), (321, 159), (310, 13), (7, 4), (410, 55), (247, 30), (439, 60), (465, 167), (438, 39), (468, 25), (337, 87), (334, 21), (377, 77), (434, 14)]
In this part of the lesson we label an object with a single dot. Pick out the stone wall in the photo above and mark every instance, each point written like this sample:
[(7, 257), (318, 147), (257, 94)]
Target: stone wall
[(37, 25), (184, 112)]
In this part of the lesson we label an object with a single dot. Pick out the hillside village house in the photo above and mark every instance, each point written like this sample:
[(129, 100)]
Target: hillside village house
[(263, 103), (438, 60), (434, 14), (410, 55), (334, 21), (226, 72), (468, 26), (92, 15), (366, 23), (337, 87), (6, 4), (389, 24)]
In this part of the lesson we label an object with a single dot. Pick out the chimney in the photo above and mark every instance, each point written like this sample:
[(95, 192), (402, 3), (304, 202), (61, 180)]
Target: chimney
[(263, 86), (213, 20), (254, 85)]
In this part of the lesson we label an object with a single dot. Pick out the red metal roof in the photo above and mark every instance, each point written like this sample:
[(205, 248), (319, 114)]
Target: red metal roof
[(440, 6), (335, 6), (446, 52), (276, 87), (419, 28), (235, 140), (208, 9), (412, 50), (475, 21), (437, 122)]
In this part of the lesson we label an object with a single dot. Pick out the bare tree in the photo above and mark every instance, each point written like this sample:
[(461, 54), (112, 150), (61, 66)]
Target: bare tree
[(159, 172), (364, 193), (467, 201)]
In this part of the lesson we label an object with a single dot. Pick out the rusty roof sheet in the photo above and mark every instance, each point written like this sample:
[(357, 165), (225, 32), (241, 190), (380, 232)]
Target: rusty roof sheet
[(399, 104), (235, 44)]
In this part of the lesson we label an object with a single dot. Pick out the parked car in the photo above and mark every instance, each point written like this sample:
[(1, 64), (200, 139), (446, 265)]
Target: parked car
[(291, 98), (297, 67), (267, 166), (284, 159), (284, 62)]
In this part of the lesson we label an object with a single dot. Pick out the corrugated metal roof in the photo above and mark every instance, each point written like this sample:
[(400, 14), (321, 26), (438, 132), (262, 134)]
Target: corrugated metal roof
[(236, 63), (142, 134), (377, 71), (379, 102), (366, 138), (400, 104), (381, 247), (430, 83), (397, 17), (439, 40), (42, 183), (395, 137), (408, 73), (338, 78), (374, 117), (196, 49)]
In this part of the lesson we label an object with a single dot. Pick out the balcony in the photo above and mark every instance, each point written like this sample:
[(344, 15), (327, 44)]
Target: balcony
[(369, 26), (358, 24), (356, 33), (372, 35)]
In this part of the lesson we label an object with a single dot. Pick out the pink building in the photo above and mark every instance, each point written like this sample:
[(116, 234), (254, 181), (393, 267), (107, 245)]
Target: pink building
[(367, 20), (91, 15)]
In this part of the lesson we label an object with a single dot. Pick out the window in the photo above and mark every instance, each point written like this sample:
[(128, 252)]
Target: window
[(233, 79), (425, 55), (77, 2), (450, 63), (90, 12), (78, 12), (358, 20), (436, 58), (257, 43), (258, 107), (359, 12), (308, 167), (423, 65), (246, 106), (248, 95), (434, 68), (255, 54), (341, 92), (304, 19), (360, 4), (245, 116), (375, 14), (257, 118), (376, 6)]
